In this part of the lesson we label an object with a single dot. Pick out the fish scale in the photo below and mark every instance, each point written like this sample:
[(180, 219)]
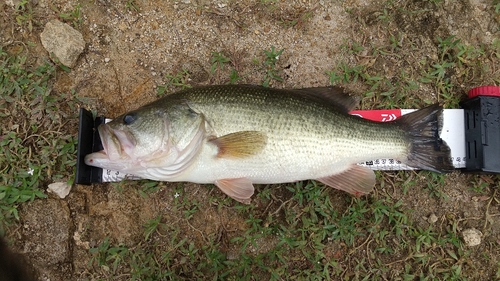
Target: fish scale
[(325, 141)]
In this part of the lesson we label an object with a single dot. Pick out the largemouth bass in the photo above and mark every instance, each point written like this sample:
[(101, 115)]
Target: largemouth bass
[(235, 136)]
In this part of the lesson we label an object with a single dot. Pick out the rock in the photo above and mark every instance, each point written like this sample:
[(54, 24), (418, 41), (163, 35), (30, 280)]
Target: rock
[(61, 189), (63, 41), (472, 237), (433, 218)]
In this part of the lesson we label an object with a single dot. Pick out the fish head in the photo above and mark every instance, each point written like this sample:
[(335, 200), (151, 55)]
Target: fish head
[(132, 139), (152, 142)]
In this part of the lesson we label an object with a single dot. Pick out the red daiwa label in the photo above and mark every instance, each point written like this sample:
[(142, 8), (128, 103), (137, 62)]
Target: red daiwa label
[(384, 115)]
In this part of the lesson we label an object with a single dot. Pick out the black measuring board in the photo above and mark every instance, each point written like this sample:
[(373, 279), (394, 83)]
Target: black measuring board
[(88, 141)]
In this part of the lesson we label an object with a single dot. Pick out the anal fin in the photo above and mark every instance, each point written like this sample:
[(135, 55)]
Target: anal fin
[(240, 189), (356, 180)]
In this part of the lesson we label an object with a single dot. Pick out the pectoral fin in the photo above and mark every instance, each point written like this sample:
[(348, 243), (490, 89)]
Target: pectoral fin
[(240, 144), (356, 180), (240, 189)]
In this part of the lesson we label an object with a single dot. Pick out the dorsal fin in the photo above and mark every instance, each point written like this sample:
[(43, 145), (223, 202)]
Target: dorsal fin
[(334, 95)]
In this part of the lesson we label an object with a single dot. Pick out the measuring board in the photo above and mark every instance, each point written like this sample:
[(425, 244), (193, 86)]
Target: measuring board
[(472, 133)]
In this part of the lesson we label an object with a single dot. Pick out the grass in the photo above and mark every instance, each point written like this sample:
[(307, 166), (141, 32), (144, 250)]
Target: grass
[(312, 232), (456, 63), (218, 61), (309, 236), (73, 16), (300, 244), (34, 148), (131, 5), (296, 231), (272, 73), (435, 184), (180, 80), (221, 74), (151, 226), (24, 15), (296, 20)]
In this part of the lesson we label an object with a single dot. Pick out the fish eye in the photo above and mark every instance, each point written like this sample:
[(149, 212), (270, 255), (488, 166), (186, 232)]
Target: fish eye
[(129, 118)]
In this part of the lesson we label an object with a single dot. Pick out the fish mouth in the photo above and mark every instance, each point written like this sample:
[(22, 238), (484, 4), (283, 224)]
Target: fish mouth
[(116, 144), (115, 155)]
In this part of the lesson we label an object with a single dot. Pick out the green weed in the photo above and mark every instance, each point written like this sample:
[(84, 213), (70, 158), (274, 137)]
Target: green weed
[(424, 238), (148, 187), (105, 253), (24, 15), (496, 6), (184, 204), (175, 81), (131, 5), (385, 17), (435, 183), (151, 226), (272, 73), (34, 150), (218, 60), (348, 227), (479, 186), (74, 16), (234, 77)]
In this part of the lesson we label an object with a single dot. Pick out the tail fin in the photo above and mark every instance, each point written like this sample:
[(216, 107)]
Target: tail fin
[(427, 151)]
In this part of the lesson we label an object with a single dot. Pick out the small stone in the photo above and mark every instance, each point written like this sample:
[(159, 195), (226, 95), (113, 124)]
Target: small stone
[(433, 218), (79, 242), (472, 237), (13, 3), (65, 42), (106, 60), (61, 189)]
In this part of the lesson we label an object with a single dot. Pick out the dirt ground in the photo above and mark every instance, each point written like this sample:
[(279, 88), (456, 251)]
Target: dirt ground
[(128, 53)]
